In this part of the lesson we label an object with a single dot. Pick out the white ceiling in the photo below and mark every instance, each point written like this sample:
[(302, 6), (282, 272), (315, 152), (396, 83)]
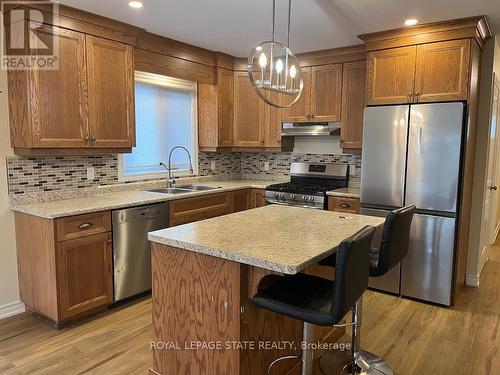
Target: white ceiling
[(235, 26)]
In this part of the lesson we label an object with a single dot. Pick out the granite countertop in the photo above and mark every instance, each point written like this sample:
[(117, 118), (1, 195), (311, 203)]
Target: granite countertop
[(110, 201), (348, 192), (279, 238)]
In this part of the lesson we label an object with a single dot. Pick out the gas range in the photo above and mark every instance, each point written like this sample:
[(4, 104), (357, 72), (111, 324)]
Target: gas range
[(308, 185)]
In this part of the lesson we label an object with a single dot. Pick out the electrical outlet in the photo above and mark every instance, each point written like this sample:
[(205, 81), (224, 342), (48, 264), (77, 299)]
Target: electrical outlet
[(266, 166), (352, 169), (212, 165), (90, 173)]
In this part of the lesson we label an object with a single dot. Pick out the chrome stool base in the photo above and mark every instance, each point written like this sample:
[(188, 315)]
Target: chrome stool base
[(371, 364)]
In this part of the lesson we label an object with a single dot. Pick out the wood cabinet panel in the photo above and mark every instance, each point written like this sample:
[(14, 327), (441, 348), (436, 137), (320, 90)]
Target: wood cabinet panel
[(301, 111), (111, 93), (242, 200), (252, 114), (326, 92), (214, 315), (58, 98), (208, 122), (83, 225), (258, 198), (275, 126), (339, 204), (188, 210), (442, 71), (391, 76), (353, 104), (225, 106), (84, 274)]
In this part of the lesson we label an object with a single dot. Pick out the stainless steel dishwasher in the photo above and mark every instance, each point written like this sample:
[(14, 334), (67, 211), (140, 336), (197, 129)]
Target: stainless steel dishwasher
[(131, 248)]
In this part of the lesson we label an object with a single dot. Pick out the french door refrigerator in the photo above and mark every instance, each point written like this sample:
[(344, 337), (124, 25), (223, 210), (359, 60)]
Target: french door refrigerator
[(412, 155)]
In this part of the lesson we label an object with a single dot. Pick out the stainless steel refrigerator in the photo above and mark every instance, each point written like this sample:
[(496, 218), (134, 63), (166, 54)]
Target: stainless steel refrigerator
[(412, 155)]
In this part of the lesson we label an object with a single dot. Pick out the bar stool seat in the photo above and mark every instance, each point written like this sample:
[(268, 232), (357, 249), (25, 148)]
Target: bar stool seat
[(318, 301)]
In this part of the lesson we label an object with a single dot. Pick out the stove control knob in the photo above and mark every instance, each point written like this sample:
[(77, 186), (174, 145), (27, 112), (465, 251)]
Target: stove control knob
[(282, 196), (292, 196), (304, 198)]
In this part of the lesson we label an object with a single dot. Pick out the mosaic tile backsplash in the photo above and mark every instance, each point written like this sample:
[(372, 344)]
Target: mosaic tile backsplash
[(33, 175)]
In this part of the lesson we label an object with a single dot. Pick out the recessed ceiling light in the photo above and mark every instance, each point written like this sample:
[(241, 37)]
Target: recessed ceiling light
[(135, 4), (411, 22)]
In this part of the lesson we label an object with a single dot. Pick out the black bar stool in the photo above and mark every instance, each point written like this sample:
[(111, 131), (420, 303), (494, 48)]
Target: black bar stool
[(394, 245), (319, 301)]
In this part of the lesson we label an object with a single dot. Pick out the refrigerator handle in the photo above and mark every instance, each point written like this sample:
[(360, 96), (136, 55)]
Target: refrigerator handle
[(419, 140)]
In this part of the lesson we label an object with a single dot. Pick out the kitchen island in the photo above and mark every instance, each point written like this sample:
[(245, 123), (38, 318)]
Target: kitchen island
[(205, 274)]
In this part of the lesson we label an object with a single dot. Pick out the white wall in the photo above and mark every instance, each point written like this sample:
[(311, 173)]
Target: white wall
[(9, 291), (490, 64)]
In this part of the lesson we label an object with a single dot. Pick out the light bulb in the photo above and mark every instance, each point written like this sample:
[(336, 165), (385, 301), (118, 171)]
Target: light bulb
[(279, 66), (293, 71), (262, 60), (135, 4)]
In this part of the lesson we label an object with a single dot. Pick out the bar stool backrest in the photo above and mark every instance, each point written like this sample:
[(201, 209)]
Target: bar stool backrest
[(351, 272)]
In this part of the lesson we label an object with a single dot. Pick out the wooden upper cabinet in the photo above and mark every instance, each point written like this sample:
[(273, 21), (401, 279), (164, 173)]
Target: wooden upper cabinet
[(442, 71), (252, 114), (301, 111), (84, 273), (225, 106), (208, 134), (275, 126), (111, 93), (353, 104), (48, 108), (391, 75), (326, 92)]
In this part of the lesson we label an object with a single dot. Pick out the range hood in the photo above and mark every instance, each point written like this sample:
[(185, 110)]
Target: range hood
[(310, 129)]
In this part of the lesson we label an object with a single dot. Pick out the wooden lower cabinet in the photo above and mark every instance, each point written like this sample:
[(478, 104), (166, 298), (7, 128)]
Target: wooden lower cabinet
[(197, 297), (188, 210), (84, 274), (60, 278), (242, 200), (340, 204), (258, 198)]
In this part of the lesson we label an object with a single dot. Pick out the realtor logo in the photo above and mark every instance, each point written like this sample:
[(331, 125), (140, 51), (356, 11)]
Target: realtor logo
[(27, 38)]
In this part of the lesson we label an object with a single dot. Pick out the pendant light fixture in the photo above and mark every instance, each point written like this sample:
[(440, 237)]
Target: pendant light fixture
[(274, 70)]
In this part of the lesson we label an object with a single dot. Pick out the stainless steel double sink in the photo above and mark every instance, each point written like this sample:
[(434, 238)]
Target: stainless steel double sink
[(185, 189)]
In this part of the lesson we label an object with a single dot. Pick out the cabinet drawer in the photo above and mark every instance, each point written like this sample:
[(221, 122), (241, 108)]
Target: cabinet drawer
[(83, 225), (187, 210), (350, 205)]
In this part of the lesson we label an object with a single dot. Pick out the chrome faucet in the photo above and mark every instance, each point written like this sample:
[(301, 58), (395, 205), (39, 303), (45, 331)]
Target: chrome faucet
[(170, 180)]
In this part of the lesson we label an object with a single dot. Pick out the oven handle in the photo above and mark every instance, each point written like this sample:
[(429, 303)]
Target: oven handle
[(293, 205)]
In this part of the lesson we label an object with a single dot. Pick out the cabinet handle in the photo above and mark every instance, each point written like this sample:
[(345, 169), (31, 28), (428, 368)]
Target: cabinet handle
[(87, 139), (84, 225), (92, 139), (345, 205), (417, 94), (410, 97)]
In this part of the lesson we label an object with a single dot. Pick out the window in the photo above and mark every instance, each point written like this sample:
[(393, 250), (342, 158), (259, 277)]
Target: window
[(165, 113)]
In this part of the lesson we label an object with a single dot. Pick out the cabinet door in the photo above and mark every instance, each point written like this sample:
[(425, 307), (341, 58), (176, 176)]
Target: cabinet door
[(353, 103), (84, 274), (442, 71), (241, 200), (301, 111), (326, 92), (225, 106), (258, 198), (251, 113), (111, 93), (391, 76), (275, 126), (208, 134), (58, 100)]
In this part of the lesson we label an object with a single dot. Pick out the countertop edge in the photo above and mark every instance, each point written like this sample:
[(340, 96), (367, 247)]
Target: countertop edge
[(26, 209), (243, 259)]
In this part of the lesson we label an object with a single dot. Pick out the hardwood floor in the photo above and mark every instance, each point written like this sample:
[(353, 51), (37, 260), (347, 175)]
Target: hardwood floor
[(415, 338)]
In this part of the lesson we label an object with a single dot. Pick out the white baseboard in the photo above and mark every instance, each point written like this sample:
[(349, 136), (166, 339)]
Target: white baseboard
[(11, 309), (472, 280)]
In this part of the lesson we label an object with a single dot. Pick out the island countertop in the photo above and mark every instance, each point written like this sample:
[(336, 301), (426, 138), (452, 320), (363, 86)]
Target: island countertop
[(278, 238)]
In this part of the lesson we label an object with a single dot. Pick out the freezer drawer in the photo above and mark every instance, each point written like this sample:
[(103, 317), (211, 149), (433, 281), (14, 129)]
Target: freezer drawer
[(434, 150), (427, 270), (383, 164), (390, 281)]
